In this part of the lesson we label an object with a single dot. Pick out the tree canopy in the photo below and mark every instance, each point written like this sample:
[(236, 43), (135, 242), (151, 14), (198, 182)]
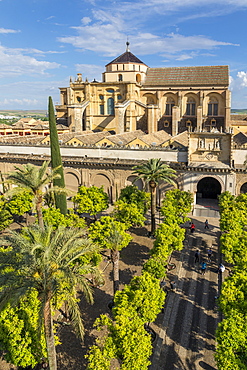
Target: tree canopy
[(92, 200), (231, 334), (34, 179), (43, 259)]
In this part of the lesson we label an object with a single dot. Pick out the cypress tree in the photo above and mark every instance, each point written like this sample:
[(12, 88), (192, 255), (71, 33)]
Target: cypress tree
[(56, 160)]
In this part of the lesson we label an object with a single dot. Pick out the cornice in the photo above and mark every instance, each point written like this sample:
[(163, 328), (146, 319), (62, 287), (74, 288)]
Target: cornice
[(110, 163)]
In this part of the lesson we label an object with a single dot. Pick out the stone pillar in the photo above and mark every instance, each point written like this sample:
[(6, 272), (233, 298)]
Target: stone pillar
[(128, 118), (88, 122), (180, 105), (119, 119), (78, 112), (201, 98), (227, 110), (199, 118), (175, 120), (152, 118)]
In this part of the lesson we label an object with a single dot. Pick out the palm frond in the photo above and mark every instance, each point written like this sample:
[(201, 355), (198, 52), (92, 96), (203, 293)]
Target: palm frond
[(154, 170), (75, 315)]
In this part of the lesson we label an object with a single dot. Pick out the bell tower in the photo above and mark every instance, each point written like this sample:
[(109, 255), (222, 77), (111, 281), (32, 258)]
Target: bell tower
[(125, 68)]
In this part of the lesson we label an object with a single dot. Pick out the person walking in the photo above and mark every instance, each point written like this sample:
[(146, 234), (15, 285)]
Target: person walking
[(210, 252), (203, 267), (197, 256), (221, 268), (206, 225)]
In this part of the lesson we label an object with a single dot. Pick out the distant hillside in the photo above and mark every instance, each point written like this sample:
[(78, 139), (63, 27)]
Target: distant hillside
[(239, 111), (24, 113)]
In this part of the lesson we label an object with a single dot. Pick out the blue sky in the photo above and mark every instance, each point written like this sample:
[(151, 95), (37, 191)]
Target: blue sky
[(44, 42)]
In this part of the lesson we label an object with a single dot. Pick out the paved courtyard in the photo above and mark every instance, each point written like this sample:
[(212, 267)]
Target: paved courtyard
[(186, 336)]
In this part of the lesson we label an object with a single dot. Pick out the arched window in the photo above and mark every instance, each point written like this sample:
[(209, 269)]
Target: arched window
[(120, 78), (110, 106), (150, 100), (190, 107), (213, 107), (169, 104), (138, 78)]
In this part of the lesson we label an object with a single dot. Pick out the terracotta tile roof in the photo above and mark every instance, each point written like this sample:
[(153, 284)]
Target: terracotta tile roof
[(21, 125), (156, 138), (126, 57), (90, 138), (62, 127), (181, 139), (188, 76), (6, 138), (4, 126), (240, 139), (39, 126), (63, 138), (238, 117), (16, 139), (126, 137), (26, 120)]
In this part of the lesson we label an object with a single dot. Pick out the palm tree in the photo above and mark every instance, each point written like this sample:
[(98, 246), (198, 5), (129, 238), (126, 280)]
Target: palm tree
[(152, 172), (47, 260), (34, 179)]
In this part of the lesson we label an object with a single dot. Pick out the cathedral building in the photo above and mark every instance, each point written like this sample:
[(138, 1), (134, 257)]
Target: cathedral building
[(133, 96), (181, 115)]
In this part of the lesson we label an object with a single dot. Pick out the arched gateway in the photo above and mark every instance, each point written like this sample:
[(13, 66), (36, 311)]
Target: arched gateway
[(209, 188)]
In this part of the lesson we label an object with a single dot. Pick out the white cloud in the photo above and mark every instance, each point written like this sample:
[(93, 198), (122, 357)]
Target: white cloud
[(13, 62), (6, 30), (107, 31), (18, 102), (136, 12), (184, 57), (238, 85), (242, 78), (96, 36), (86, 20), (32, 94), (175, 5), (90, 71)]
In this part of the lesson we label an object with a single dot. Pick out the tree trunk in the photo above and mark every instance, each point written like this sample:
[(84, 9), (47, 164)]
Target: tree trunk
[(39, 214), (49, 336), (153, 209), (115, 261)]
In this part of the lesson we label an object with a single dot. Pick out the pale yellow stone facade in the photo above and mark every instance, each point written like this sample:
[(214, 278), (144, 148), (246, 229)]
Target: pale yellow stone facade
[(133, 96), (180, 115)]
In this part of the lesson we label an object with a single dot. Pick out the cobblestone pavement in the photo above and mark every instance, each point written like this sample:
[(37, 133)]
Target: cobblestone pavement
[(186, 336)]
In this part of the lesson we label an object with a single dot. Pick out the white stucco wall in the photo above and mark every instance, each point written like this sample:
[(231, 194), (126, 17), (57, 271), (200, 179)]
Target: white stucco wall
[(239, 156), (138, 154)]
